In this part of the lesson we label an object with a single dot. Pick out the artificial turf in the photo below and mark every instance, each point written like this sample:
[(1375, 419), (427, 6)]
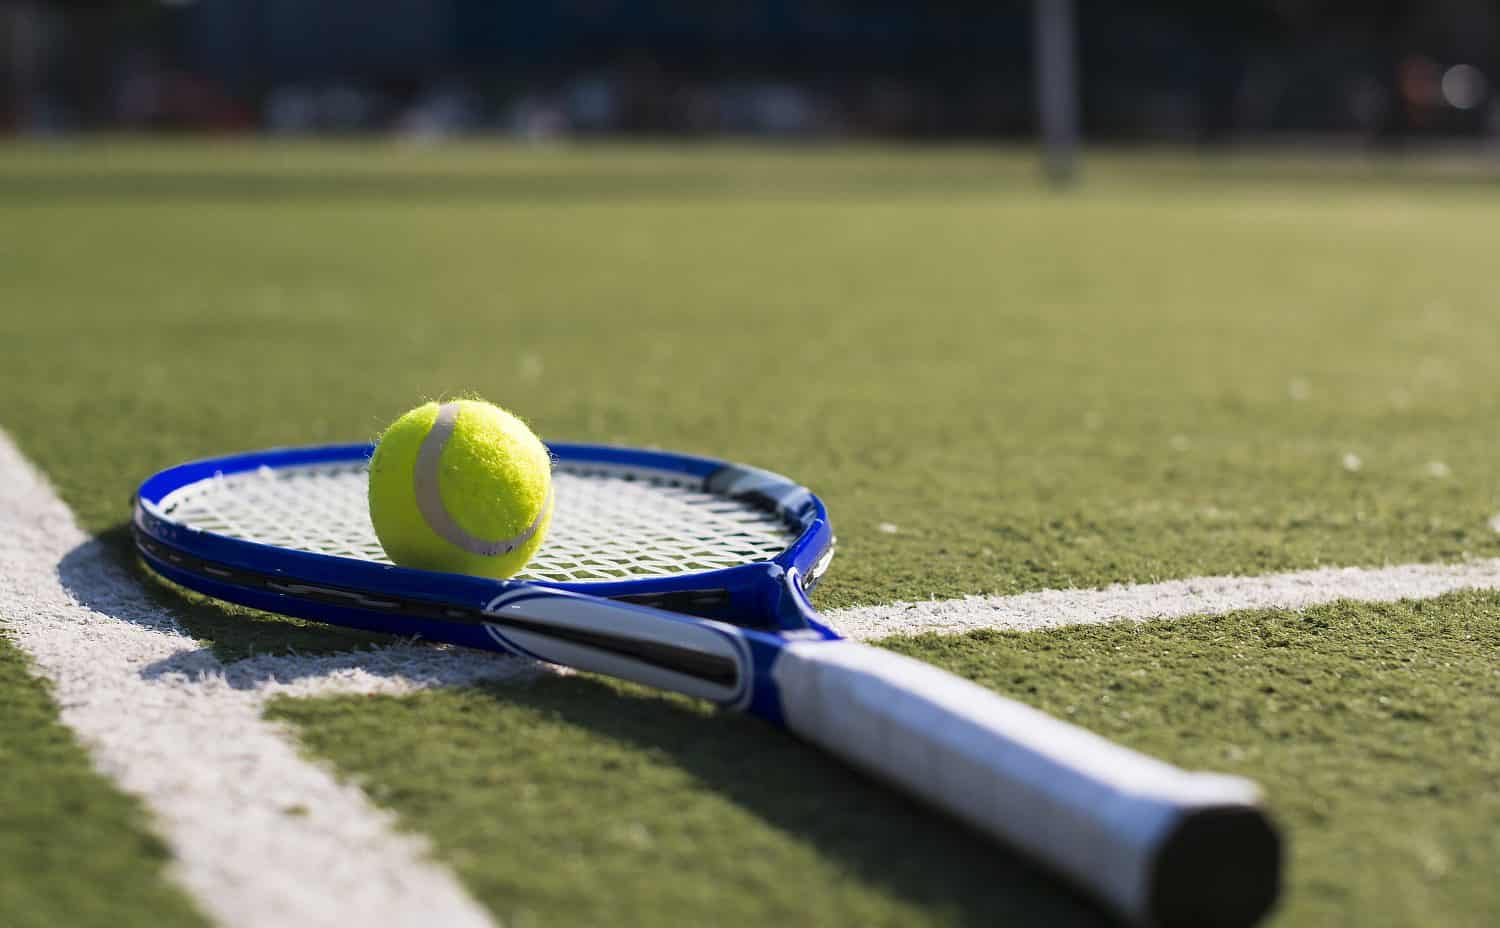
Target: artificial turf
[(579, 801), (1373, 728), (1159, 376), (1187, 366), (73, 850)]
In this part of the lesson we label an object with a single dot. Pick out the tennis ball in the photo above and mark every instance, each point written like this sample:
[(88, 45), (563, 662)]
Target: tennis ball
[(463, 487)]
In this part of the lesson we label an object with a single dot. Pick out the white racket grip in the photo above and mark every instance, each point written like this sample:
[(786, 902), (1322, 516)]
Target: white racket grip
[(1096, 812)]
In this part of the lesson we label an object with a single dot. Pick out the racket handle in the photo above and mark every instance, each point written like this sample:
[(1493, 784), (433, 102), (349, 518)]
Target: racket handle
[(1159, 845)]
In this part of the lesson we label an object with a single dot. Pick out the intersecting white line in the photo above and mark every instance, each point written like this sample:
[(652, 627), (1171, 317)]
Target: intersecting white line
[(1172, 599)]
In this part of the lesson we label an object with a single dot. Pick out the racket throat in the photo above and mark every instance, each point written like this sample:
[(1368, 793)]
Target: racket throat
[(710, 668), (709, 660)]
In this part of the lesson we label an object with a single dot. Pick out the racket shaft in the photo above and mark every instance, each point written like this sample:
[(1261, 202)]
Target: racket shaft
[(1094, 811)]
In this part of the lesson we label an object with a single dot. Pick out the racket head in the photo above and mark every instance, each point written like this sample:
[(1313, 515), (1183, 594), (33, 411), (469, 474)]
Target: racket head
[(689, 534)]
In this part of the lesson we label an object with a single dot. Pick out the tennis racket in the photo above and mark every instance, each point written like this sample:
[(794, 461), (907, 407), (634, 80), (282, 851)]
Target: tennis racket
[(692, 575)]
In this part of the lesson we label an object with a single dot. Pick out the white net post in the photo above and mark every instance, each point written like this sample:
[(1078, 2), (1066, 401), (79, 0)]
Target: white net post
[(1057, 88)]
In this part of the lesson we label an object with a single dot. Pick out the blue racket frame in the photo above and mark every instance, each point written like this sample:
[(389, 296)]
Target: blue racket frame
[(452, 607)]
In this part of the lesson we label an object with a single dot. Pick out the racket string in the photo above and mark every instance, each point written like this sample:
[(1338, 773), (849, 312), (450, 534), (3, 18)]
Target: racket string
[(609, 524)]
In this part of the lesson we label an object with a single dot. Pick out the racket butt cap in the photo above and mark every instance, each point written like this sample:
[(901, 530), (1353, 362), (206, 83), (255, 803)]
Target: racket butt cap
[(1220, 866)]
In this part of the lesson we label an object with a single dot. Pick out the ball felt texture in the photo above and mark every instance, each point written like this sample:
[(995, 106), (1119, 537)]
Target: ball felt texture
[(462, 487)]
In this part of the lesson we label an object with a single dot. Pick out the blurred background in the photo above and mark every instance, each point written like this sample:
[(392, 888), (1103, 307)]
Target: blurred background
[(1380, 72)]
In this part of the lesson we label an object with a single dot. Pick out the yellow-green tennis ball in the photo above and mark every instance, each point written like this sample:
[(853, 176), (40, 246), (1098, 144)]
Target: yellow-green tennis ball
[(463, 487)]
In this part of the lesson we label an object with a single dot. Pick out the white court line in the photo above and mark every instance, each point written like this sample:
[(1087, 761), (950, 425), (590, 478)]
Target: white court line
[(1170, 600), (260, 836)]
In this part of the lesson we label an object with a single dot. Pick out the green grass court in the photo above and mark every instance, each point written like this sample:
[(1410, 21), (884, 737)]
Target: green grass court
[(1187, 367)]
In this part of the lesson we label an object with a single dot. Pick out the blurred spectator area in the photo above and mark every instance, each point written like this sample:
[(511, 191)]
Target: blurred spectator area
[(1168, 69)]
